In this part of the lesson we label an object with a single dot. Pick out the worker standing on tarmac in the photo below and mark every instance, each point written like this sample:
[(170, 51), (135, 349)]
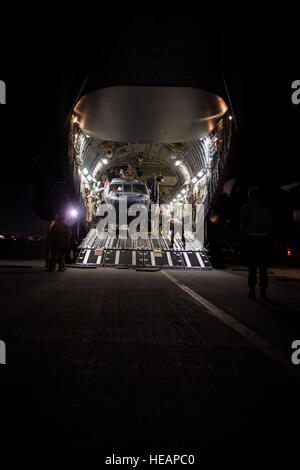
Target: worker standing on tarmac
[(256, 230), (60, 237), (49, 242)]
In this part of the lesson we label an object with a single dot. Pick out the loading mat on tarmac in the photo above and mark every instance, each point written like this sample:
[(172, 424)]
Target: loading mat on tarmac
[(99, 249)]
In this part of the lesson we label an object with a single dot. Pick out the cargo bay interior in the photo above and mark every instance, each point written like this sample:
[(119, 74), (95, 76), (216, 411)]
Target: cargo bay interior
[(179, 136)]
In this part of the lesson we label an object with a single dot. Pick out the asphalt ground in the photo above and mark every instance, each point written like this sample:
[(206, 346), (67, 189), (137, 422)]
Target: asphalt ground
[(123, 360)]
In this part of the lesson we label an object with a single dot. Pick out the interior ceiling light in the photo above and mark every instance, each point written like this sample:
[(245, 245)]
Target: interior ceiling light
[(174, 200), (89, 178), (194, 179), (105, 161), (200, 174), (85, 171), (177, 163), (230, 118)]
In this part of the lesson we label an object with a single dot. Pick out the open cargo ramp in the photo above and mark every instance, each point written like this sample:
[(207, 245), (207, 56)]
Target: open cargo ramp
[(100, 250)]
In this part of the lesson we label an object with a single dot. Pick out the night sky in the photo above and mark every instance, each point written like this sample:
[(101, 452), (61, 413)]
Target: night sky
[(45, 58)]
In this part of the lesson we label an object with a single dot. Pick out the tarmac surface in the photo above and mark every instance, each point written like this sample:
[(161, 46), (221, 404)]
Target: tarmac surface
[(115, 359)]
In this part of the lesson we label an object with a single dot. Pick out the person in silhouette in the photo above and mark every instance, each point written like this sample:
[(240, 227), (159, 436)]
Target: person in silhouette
[(111, 174), (152, 185), (172, 231), (49, 242), (60, 236), (256, 228)]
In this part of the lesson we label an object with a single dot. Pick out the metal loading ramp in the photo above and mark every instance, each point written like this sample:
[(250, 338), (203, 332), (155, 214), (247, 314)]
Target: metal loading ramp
[(100, 250)]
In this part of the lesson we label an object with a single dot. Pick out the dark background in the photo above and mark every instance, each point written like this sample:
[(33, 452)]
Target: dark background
[(46, 56)]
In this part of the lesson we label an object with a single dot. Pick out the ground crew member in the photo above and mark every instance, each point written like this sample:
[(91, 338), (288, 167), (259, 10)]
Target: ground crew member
[(49, 242), (90, 207), (131, 171), (172, 230), (60, 237), (152, 185), (256, 230)]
